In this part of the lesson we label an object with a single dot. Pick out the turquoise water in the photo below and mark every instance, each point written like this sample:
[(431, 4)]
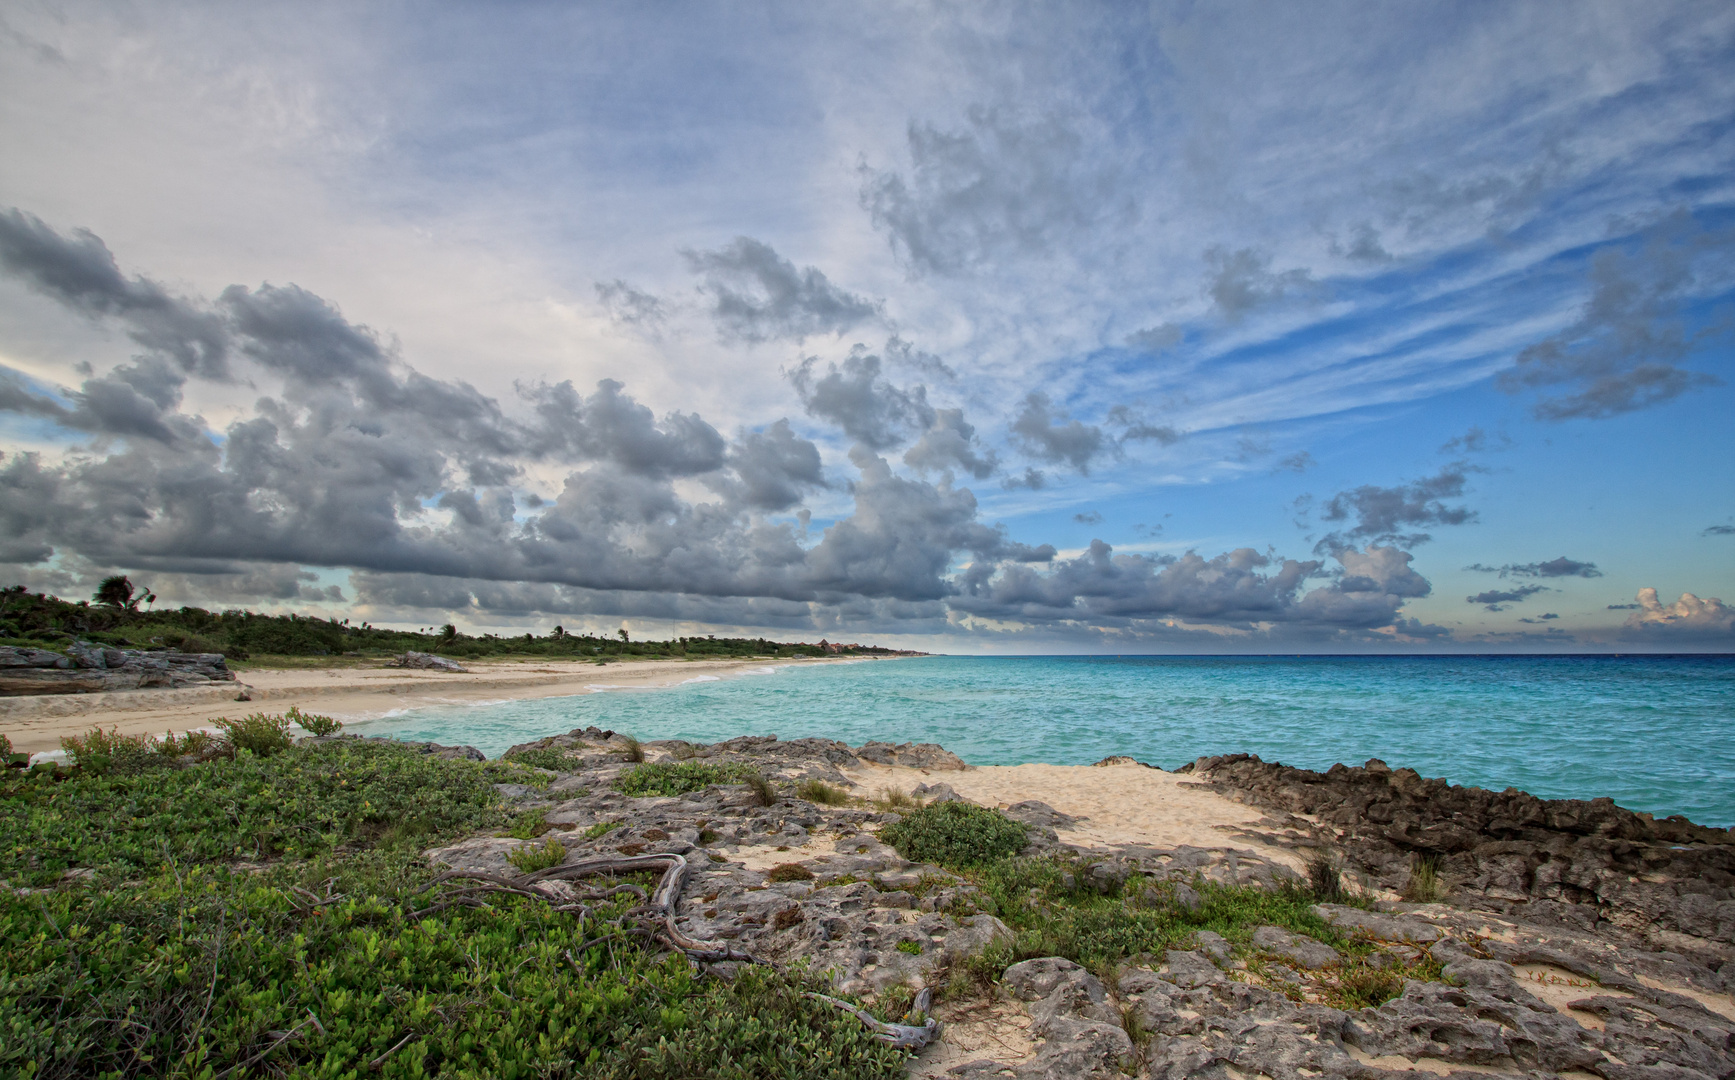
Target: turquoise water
[(1654, 733)]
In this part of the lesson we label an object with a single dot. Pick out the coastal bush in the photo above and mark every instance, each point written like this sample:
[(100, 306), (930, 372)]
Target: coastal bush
[(552, 758), (312, 723), (955, 835), (256, 733), (104, 753), (1325, 879), (669, 778), (789, 872), (314, 959), (760, 788), (818, 791)]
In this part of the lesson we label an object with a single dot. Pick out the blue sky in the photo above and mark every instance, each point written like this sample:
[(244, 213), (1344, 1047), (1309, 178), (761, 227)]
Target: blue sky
[(965, 327)]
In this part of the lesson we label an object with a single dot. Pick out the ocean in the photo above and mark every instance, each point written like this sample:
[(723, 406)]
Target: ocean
[(1655, 733)]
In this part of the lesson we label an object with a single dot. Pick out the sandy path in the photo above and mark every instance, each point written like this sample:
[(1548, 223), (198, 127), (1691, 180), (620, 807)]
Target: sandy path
[(1122, 804), (37, 723)]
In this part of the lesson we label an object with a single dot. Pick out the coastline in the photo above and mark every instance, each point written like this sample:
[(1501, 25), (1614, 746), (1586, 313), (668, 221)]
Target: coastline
[(36, 724)]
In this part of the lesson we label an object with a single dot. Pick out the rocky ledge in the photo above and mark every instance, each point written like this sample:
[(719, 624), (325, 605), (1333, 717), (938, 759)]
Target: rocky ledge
[(1520, 986), (85, 668)]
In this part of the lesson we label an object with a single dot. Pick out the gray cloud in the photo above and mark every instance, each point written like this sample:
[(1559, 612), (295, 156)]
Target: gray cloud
[(1494, 599), (855, 398), (1051, 436), (1547, 616), (1364, 245), (950, 442), (1298, 462), (1241, 588), (773, 468), (1381, 513), (1156, 339), (1553, 568), (1000, 186), (611, 426), (1089, 517), (1624, 352), (630, 306), (1032, 479), (758, 295), (1719, 530), (1239, 282), (1137, 429)]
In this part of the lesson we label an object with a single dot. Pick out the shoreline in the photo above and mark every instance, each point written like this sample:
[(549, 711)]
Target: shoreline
[(35, 724)]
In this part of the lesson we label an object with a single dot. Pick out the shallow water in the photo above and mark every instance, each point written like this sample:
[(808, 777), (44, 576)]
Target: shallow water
[(1655, 733)]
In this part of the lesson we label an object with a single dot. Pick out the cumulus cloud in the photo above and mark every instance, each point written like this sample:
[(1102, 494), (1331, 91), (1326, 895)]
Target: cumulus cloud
[(1239, 282), (1553, 568), (1001, 185), (1625, 350), (950, 442), (758, 295), (1137, 429), (1688, 619), (1496, 599), (1049, 435), (868, 408), (1382, 514), (1243, 588)]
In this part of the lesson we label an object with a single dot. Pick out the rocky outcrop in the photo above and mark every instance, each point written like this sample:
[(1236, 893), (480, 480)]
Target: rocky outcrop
[(1563, 861), (85, 668), (424, 661)]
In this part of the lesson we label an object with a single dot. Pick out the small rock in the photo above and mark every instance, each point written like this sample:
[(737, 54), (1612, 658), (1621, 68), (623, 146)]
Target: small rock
[(1307, 952)]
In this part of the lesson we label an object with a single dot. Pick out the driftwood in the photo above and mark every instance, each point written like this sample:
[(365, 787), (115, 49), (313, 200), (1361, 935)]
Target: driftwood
[(902, 1036)]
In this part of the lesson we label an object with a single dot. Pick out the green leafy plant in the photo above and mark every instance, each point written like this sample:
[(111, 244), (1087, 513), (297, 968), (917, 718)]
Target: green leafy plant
[(955, 835), (256, 733), (669, 778), (7, 756), (818, 791), (533, 857), (601, 828), (913, 948), (552, 758), (188, 743), (105, 753), (530, 824), (312, 723)]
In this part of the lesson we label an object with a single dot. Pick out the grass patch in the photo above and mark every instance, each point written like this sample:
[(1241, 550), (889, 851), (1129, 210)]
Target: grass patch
[(172, 961), (818, 791), (601, 828), (893, 799), (789, 872), (533, 857), (760, 788), (1424, 885), (955, 835), (668, 778)]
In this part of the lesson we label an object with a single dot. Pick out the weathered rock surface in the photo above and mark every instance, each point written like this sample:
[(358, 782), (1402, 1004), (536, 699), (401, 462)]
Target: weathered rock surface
[(424, 661), (1563, 861), (86, 668)]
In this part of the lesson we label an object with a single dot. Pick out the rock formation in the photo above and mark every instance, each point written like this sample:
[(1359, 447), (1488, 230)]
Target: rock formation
[(85, 668)]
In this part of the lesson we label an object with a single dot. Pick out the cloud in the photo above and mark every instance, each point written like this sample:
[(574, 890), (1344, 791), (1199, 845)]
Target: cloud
[(1544, 617), (1624, 351), (948, 443), (1156, 339), (1032, 479), (630, 306), (1493, 599), (1688, 619), (1241, 588), (1136, 428), (1381, 513), (1051, 436), (773, 468), (1298, 462), (1364, 246), (1719, 530), (1471, 442), (1553, 568), (1089, 517), (853, 396), (1240, 282), (757, 295), (1002, 185)]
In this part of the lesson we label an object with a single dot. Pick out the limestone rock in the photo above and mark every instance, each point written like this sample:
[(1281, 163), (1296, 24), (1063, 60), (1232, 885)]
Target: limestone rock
[(425, 661)]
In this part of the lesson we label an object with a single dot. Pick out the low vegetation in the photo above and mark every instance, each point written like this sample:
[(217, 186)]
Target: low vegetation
[(956, 835), (669, 778), (258, 915), (818, 791)]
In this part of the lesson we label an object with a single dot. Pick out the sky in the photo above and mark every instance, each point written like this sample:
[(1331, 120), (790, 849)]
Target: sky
[(959, 327)]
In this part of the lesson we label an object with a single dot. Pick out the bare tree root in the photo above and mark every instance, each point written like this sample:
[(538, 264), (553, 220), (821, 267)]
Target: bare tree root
[(902, 1036), (655, 912)]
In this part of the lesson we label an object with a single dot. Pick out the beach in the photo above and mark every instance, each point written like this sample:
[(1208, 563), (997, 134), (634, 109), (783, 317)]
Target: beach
[(37, 724)]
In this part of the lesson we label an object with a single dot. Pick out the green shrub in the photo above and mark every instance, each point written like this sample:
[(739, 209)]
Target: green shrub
[(913, 948), (552, 758), (313, 724), (601, 828), (256, 733), (530, 824), (104, 753), (955, 835), (533, 857), (7, 756), (669, 778), (189, 743), (818, 791)]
